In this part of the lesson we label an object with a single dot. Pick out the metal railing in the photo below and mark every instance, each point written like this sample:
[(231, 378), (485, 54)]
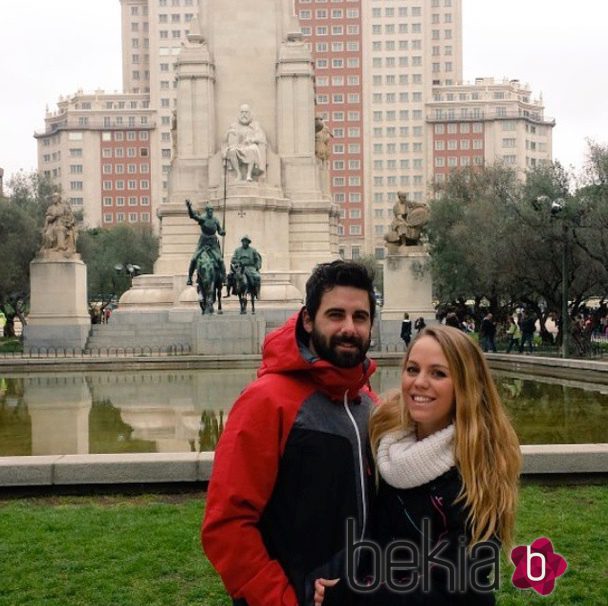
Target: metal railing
[(175, 349)]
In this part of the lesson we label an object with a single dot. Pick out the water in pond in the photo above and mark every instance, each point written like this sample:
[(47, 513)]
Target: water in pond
[(171, 411)]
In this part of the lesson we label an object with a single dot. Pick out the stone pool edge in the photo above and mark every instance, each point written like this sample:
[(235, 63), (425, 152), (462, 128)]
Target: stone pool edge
[(153, 468)]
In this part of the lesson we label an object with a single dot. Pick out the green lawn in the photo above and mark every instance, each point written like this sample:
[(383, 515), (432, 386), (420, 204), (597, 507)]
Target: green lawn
[(144, 550)]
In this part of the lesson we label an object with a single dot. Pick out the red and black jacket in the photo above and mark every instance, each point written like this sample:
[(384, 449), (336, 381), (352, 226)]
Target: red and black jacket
[(291, 466)]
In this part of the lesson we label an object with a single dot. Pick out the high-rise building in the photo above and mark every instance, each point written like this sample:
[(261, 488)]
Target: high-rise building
[(334, 35), (96, 147), (484, 123), (388, 78), (411, 47), (152, 35), (398, 50)]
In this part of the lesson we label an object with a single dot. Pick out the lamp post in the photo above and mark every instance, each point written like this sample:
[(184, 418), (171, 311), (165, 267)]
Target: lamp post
[(557, 211)]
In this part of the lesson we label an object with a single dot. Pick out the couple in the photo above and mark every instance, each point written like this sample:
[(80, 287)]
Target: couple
[(294, 491)]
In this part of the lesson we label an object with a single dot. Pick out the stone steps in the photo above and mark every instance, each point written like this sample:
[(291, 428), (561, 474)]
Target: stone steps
[(131, 336)]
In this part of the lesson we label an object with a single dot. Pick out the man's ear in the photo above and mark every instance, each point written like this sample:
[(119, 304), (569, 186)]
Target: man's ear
[(307, 322)]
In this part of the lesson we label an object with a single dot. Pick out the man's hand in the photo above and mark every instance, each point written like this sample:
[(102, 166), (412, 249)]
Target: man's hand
[(320, 585), (188, 203)]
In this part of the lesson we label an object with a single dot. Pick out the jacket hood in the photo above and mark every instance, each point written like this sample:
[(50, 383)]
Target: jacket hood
[(283, 353)]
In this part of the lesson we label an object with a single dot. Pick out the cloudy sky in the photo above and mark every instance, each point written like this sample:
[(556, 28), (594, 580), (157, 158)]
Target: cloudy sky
[(54, 47)]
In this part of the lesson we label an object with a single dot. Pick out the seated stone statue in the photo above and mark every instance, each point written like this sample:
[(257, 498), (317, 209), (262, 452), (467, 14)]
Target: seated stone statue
[(59, 231), (244, 147), (408, 220)]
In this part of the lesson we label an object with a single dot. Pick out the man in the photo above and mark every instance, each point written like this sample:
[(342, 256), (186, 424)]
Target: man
[(250, 259), (210, 226), (245, 145), (487, 333), (292, 464), (528, 328)]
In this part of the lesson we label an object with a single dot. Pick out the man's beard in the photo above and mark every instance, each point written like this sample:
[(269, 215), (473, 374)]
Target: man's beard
[(327, 349)]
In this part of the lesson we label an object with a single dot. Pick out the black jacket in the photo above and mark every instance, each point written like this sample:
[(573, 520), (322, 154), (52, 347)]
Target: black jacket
[(398, 514)]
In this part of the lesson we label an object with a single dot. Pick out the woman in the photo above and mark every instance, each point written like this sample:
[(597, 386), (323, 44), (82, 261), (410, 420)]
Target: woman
[(446, 453), (514, 334)]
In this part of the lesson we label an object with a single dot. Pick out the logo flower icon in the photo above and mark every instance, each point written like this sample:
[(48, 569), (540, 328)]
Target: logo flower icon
[(537, 566)]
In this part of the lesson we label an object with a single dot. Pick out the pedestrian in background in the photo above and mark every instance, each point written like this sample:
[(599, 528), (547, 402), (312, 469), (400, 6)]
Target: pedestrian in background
[(487, 333), (514, 334), (406, 329)]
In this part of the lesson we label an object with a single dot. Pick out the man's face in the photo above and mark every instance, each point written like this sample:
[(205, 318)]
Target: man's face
[(245, 115), (341, 330), (245, 243), (209, 212)]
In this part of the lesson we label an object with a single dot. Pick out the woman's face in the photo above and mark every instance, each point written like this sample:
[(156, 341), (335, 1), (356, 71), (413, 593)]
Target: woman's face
[(427, 387)]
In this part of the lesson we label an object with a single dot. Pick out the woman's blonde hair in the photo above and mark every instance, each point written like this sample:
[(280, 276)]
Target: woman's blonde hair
[(486, 448)]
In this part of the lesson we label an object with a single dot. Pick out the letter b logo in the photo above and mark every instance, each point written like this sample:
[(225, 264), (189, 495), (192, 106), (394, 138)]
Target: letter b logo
[(537, 566)]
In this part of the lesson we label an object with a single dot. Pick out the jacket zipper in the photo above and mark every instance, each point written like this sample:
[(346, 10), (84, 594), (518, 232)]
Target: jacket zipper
[(361, 470)]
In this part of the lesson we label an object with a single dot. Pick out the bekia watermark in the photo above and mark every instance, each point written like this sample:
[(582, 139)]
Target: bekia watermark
[(404, 566), (537, 566)]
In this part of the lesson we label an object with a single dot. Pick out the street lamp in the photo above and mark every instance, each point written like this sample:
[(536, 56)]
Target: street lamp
[(129, 269), (557, 212)]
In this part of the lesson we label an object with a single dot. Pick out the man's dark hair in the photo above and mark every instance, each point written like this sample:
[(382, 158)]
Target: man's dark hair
[(338, 273)]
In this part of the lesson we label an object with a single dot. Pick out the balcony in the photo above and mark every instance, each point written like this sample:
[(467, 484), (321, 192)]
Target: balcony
[(484, 116)]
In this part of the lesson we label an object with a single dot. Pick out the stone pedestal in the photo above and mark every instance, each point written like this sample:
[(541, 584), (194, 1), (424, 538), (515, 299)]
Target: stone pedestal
[(408, 288), (59, 317), (216, 335)]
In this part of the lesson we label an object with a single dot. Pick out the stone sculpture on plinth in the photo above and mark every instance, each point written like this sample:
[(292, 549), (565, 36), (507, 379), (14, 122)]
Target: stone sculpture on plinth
[(407, 282), (59, 317)]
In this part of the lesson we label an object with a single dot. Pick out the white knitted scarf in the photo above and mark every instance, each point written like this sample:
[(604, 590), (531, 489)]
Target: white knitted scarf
[(405, 462)]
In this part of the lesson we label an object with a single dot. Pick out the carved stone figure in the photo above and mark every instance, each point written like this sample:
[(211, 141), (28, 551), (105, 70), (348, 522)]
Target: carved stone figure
[(322, 139), (59, 231), (408, 220), (245, 147)]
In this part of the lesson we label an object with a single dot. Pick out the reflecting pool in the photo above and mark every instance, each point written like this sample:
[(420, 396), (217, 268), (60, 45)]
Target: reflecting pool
[(181, 411)]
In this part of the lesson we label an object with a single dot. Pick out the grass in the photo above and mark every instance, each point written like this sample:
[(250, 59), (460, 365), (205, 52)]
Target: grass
[(144, 550)]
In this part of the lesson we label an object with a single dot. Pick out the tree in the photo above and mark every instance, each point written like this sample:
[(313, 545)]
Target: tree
[(103, 250), (494, 237), (21, 220), (468, 234)]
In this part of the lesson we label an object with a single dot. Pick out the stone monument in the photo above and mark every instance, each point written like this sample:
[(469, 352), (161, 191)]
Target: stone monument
[(59, 317), (244, 142), (407, 285)]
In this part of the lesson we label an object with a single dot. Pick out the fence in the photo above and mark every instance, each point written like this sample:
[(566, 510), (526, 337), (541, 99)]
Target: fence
[(177, 349)]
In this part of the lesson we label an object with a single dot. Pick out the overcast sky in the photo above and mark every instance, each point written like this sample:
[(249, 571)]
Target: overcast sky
[(560, 47)]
